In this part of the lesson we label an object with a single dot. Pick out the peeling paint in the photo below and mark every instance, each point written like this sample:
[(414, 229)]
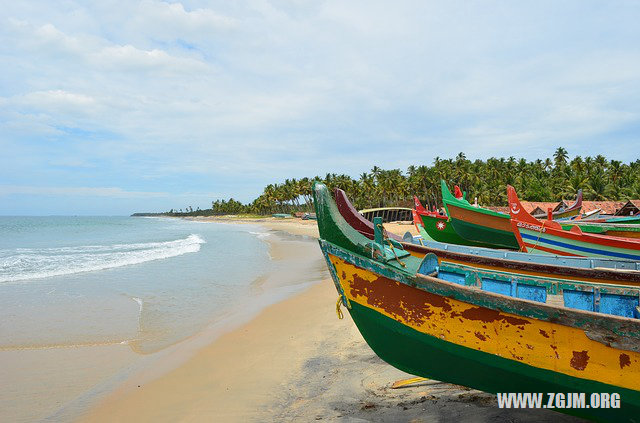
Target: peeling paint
[(580, 360), (625, 360), (487, 315)]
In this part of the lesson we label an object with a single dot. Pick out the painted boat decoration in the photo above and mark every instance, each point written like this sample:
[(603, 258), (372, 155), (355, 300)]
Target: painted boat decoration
[(548, 237), (573, 210), (475, 262), (477, 224), (354, 218), (470, 333), (439, 228)]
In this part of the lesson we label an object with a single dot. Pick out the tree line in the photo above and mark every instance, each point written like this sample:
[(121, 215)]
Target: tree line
[(551, 179)]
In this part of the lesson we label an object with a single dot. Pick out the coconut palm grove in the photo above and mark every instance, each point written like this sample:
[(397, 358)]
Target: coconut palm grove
[(549, 179)]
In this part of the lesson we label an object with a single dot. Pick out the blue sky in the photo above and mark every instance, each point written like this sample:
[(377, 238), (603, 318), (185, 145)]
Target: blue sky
[(124, 106)]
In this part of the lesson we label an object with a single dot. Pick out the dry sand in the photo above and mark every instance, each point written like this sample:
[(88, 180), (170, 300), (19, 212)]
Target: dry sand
[(297, 362)]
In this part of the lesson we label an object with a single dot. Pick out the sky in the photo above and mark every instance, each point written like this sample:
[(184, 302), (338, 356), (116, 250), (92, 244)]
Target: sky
[(114, 107)]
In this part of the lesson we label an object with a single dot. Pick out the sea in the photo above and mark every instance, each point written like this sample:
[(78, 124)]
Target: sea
[(145, 283)]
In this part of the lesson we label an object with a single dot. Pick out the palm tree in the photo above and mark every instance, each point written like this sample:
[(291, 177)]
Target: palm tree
[(560, 157)]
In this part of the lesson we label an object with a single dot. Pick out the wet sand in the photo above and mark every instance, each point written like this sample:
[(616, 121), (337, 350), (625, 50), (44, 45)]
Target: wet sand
[(296, 361)]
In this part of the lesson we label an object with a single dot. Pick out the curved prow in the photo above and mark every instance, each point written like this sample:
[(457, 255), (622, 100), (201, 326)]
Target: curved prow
[(334, 229), (418, 205), (445, 190), (518, 212), (354, 218), (332, 226), (516, 209), (448, 196), (576, 204)]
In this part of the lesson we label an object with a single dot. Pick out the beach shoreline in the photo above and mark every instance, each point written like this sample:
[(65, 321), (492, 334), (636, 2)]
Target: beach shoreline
[(296, 361), (62, 382)]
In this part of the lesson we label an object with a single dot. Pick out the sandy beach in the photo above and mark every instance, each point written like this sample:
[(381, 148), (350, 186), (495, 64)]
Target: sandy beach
[(295, 361)]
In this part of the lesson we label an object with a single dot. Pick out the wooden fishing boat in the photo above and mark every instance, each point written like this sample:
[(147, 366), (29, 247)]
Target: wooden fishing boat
[(573, 210), (484, 226), (470, 333), (439, 227), (548, 237), (459, 262), (477, 224)]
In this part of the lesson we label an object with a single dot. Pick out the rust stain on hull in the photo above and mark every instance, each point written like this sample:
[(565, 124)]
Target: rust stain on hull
[(580, 360), (398, 299), (487, 315), (625, 360)]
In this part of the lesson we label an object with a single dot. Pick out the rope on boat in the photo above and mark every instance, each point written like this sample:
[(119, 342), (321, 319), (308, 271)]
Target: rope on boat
[(396, 255), (385, 235), (539, 234), (338, 309)]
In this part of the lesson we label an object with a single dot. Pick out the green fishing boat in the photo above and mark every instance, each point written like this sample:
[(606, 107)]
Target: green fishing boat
[(477, 224), (439, 227)]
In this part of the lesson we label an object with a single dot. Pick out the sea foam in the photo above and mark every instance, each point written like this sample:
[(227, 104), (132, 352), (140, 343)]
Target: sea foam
[(32, 263)]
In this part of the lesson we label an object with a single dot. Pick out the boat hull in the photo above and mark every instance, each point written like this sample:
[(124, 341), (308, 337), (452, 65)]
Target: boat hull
[(436, 359), (488, 229), (441, 230), (551, 241), (426, 333), (549, 237)]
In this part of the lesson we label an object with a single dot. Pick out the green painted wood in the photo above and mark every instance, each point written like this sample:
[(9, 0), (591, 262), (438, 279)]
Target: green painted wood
[(377, 230), (427, 356), (495, 238), (442, 231)]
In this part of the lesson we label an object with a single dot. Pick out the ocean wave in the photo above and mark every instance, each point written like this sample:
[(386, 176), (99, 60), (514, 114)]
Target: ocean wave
[(34, 263), (260, 235)]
